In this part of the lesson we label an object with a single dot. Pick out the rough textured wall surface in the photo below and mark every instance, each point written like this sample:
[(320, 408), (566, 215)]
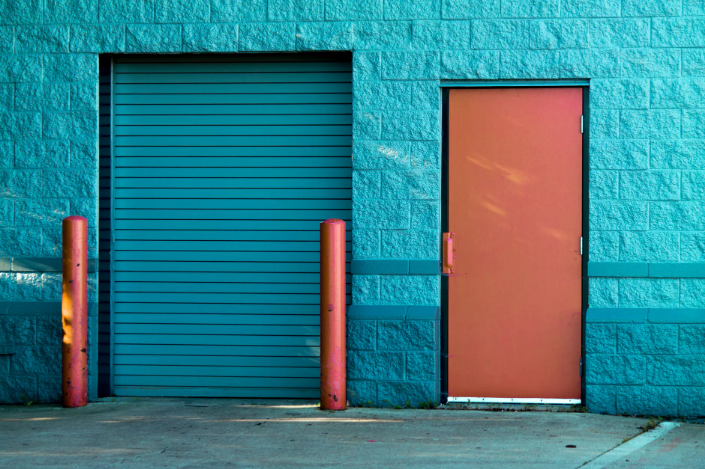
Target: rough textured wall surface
[(646, 65)]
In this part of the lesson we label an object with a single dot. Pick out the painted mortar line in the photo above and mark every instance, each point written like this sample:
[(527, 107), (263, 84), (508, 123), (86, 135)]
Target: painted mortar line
[(618, 453)]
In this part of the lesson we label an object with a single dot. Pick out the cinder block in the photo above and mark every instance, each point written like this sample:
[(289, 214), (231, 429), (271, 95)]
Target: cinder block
[(182, 11), (267, 37), (48, 388), (603, 292), (691, 340), (70, 67), (361, 335), (418, 10), (657, 124), (411, 65), (98, 38), (362, 393), (644, 293), (619, 94), (604, 185), (649, 246), (406, 335), (677, 370), (210, 37), (153, 38), (604, 246), (526, 64), (619, 154), (295, 10), (381, 154), (615, 369), (40, 360), (643, 63), (17, 330), (410, 290), (421, 366), (324, 36), (381, 35), (601, 338), (381, 214), (47, 38), (677, 216), (678, 32), (693, 123), (392, 393), (382, 95), (470, 64), (70, 11), (126, 11), (619, 215), (616, 32), (235, 11), (375, 365), (463, 9), (598, 63), (16, 389), (411, 125), (366, 66), (677, 93), (366, 244), (650, 185), (500, 34), (647, 400), (353, 10), (691, 401), (590, 8), (647, 339), (366, 289), (601, 399)]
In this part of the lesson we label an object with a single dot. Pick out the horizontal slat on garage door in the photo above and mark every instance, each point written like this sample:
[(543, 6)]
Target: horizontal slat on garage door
[(224, 168)]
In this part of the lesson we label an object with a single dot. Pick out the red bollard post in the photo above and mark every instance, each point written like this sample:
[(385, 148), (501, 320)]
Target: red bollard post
[(333, 367), (74, 312)]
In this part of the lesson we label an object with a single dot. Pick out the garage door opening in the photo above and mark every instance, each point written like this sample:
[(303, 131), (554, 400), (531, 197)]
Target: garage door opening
[(218, 171)]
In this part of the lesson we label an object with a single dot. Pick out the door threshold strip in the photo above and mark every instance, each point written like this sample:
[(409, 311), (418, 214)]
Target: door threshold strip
[(511, 400)]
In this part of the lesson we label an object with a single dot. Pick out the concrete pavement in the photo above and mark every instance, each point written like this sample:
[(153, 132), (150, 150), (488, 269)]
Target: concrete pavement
[(209, 433)]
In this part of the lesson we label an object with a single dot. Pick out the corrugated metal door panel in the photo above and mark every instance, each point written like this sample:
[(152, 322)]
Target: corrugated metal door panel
[(224, 168)]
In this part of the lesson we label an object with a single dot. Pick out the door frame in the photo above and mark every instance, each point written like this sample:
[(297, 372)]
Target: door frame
[(445, 87)]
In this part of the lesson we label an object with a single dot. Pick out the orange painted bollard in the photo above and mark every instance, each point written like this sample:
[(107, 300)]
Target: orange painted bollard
[(333, 367), (74, 312)]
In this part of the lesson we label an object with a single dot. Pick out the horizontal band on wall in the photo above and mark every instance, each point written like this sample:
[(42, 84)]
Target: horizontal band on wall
[(643, 315), (39, 308), (653, 270), (395, 267), (394, 312), (512, 83), (38, 264)]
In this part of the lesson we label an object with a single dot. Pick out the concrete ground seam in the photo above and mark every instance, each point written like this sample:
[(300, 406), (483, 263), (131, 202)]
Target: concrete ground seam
[(620, 452)]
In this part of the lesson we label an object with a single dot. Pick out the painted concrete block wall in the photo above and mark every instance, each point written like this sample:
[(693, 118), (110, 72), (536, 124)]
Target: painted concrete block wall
[(646, 65)]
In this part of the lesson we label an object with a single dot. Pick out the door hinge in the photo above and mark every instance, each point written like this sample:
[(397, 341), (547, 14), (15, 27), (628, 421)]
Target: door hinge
[(581, 124), (581, 245), (581, 367)]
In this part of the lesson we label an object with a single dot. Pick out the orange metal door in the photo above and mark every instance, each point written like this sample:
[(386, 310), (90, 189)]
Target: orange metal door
[(515, 211)]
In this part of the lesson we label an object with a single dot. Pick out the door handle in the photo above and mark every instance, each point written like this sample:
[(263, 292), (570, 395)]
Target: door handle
[(448, 253)]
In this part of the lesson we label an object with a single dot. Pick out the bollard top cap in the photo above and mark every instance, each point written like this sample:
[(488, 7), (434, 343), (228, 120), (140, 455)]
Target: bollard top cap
[(75, 218), (333, 221)]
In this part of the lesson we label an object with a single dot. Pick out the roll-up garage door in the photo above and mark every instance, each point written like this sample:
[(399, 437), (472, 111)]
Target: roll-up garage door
[(224, 166)]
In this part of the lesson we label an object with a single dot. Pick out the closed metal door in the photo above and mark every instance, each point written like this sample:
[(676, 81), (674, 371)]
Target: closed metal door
[(224, 167), (515, 211)]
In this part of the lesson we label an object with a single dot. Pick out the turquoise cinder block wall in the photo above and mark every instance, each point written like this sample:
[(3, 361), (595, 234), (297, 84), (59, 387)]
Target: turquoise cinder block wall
[(645, 60)]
